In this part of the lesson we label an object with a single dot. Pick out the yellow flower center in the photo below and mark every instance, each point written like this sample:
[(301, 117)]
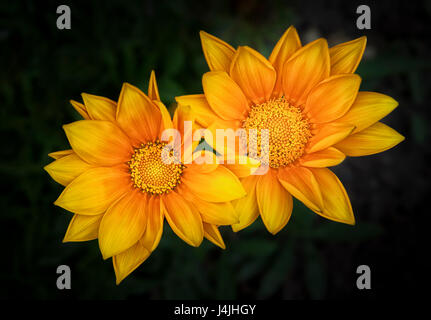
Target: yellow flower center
[(150, 173), (288, 130)]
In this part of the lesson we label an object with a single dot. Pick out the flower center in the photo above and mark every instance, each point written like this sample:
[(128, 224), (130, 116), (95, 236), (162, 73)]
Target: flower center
[(288, 129), (150, 173)]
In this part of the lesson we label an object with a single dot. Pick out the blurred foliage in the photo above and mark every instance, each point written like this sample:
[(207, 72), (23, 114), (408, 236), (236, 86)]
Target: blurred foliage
[(112, 42)]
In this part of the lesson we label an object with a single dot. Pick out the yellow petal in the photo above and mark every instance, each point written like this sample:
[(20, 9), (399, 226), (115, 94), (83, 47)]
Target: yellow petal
[(221, 185), (204, 161), (166, 117), (324, 158), (82, 110), (212, 233), (346, 56), (336, 202), (95, 190), (123, 224), (367, 109), (200, 107), (218, 53), (127, 261), (327, 135), (137, 115), (183, 218), (282, 51), (98, 142), (275, 203), (375, 139), (246, 207), (243, 166), (99, 108), (154, 229), (60, 154), (83, 228), (67, 168), (332, 98), (304, 70), (301, 183), (224, 96), (253, 73), (153, 90)]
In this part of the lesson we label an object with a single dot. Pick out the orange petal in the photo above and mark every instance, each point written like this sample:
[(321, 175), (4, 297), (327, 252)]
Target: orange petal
[(302, 184), (304, 70), (324, 158), (368, 108), (82, 110), (123, 224), (218, 53), (336, 202), (375, 139), (183, 218), (154, 229), (60, 154), (200, 107), (127, 261), (246, 207), (282, 51), (243, 166), (67, 168), (99, 108), (153, 90), (327, 135), (95, 190), (83, 228), (98, 142), (137, 115), (166, 117), (275, 203), (212, 233), (332, 98), (254, 74), (346, 56), (224, 96)]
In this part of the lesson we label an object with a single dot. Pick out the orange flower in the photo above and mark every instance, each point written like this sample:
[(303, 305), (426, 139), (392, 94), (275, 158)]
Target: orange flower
[(120, 189), (308, 99)]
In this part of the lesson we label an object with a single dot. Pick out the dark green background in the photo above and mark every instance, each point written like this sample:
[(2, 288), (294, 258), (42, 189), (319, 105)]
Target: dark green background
[(116, 41)]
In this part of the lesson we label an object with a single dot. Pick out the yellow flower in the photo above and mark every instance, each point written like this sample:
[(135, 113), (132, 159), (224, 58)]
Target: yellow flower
[(308, 99), (120, 189)]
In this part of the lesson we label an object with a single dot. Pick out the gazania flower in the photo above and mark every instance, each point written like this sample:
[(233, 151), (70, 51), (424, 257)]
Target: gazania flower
[(307, 98), (120, 189)]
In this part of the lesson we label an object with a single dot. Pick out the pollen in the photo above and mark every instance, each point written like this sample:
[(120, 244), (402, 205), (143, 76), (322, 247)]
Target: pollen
[(150, 171), (289, 131)]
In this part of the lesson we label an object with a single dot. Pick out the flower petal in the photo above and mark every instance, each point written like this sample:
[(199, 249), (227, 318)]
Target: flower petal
[(82, 110), (166, 117), (154, 229), (243, 166), (328, 135), (301, 183), (282, 51), (246, 207), (153, 90), (212, 233), (83, 228), (346, 56), (123, 224), (95, 190), (336, 202), (221, 185), (324, 158), (375, 139), (60, 154), (67, 168), (304, 70), (368, 108), (137, 115), (183, 218), (200, 107), (275, 203), (127, 261), (218, 53), (254, 74), (332, 98), (98, 142), (99, 108), (224, 96)]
